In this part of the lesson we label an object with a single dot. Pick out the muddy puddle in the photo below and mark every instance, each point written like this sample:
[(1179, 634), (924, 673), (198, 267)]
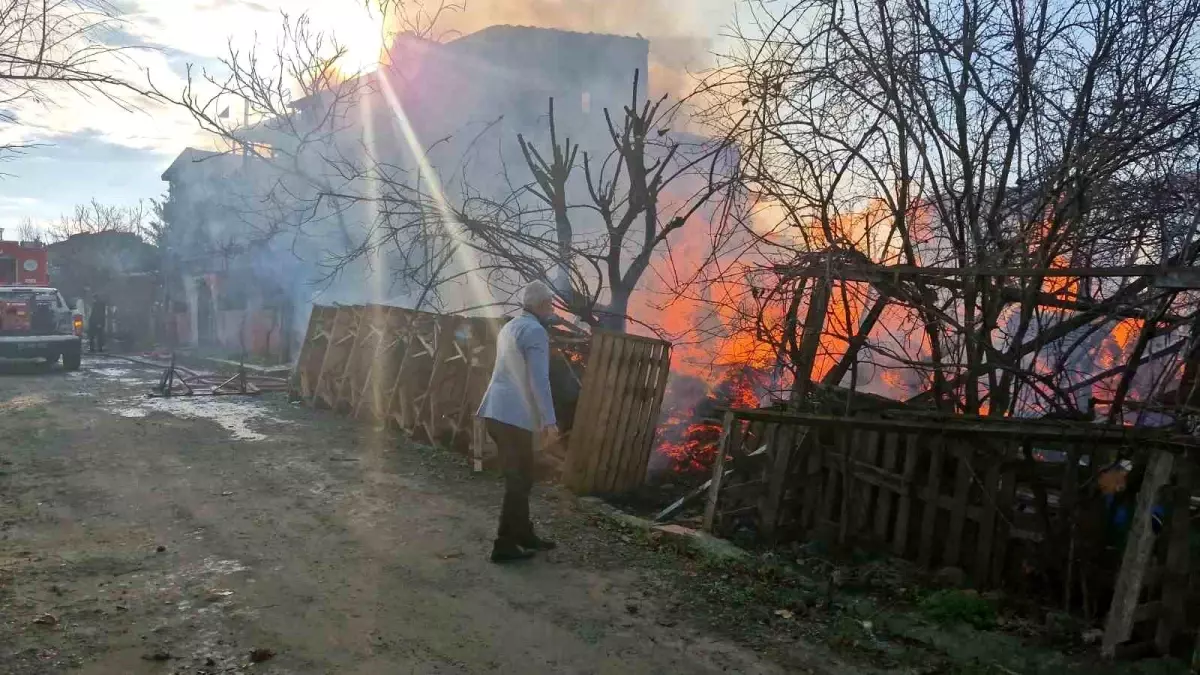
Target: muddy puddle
[(240, 416), (234, 415)]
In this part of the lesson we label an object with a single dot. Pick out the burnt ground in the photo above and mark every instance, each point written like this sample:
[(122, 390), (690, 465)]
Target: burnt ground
[(143, 536)]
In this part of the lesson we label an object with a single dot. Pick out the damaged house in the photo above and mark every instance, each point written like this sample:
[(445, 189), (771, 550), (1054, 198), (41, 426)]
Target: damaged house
[(118, 266), (249, 251)]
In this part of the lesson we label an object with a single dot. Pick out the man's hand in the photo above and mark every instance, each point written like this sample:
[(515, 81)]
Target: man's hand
[(550, 435)]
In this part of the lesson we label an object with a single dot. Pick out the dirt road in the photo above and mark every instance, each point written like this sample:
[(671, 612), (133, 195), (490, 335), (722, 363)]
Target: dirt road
[(148, 536)]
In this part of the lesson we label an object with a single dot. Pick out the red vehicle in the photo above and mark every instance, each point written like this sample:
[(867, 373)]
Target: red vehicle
[(35, 321), (23, 263)]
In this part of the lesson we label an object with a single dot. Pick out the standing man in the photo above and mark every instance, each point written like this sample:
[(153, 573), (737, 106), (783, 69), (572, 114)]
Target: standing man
[(97, 320), (516, 406)]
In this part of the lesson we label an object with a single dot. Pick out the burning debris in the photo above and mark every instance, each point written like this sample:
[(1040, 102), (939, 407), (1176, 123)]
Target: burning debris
[(688, 437)]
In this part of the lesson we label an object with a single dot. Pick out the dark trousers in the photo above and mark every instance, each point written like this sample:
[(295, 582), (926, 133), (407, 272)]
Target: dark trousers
[(95, 338), (516, 459)]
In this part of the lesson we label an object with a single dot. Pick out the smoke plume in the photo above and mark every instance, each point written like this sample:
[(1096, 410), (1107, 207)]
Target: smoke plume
[(681, 33)]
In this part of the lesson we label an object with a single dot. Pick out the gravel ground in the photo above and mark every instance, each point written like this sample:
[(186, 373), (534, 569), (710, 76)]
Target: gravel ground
[(238, 534)]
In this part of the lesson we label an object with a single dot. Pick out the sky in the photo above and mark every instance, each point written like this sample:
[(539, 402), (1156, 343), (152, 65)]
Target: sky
[(90, 148)]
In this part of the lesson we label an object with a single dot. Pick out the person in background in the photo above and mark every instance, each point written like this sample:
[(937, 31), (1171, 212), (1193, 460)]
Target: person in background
[(517, 405), (97, 320)]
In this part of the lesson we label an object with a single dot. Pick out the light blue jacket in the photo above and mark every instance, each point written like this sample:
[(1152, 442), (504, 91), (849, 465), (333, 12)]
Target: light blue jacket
[(519, 393)]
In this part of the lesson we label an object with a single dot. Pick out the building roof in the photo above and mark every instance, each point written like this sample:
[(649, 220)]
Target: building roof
[(516, 31), (499, 42), (188, 156)]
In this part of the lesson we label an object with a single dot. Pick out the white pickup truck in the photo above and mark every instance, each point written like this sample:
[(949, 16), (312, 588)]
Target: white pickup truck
[(35, 322)]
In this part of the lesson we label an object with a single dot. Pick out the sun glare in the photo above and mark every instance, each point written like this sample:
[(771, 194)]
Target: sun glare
[(364, 38)]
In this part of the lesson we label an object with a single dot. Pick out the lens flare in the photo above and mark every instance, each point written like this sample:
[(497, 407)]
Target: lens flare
[(463, 252)]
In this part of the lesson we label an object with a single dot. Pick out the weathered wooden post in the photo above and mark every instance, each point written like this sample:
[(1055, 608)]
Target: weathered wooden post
[(728, 429), (1138, 548)]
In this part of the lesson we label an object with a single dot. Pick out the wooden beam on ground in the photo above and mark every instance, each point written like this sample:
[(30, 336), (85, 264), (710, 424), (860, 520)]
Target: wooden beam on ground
[(702, 489)]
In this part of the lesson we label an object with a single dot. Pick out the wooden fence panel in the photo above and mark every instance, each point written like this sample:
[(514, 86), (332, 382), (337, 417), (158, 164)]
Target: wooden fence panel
[(623, 387), (348, 383), (337, 352), (729, 438), (575, 469), (987, 527), (868, 456), (312, 353), (963, 456), (886, 498), (622, 403), (931, 503), (779, 460), (1010, 501), (656, 382), (380, 381), (599, 380), (425, 374), (1175, 586), (1138, 549), (904, 510)]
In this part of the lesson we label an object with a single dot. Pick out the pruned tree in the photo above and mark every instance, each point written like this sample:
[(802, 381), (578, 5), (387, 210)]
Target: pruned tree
[(907, 154), (645, 188), (334, 157)]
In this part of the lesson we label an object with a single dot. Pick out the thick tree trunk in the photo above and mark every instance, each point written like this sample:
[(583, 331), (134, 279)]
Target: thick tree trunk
[(614, 317), (810, 342)]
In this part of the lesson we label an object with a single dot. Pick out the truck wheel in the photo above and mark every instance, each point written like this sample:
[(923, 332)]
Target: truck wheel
[(71, 358)]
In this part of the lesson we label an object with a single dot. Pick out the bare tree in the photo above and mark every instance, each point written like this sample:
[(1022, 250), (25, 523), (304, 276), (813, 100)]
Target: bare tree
[(640, 192), (49, 48), (335, 158), (28, 230), (95, 217), (953, 142)]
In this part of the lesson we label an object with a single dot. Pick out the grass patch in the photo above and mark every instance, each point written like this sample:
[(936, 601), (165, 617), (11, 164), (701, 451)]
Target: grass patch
[(952, 606)]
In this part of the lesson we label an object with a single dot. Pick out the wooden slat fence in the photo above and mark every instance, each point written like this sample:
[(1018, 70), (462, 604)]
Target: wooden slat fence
[(410, 370), (623, 387), (1012, 503), (425, 374)]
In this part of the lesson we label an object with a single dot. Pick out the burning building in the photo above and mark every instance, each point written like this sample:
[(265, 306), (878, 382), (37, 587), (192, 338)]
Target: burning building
[(217, 293), (251, 248)]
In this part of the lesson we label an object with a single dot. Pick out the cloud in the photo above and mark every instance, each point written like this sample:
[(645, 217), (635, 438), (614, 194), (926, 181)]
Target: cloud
[(48, 181), (17, 205), (161, 39), (114, 150)]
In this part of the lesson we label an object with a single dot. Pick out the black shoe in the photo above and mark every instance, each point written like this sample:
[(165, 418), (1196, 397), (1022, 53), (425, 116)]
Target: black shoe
[(536, 544), (502, 553)]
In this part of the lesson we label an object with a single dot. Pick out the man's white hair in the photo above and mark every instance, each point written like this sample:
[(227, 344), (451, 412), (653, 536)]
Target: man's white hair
[(535, 294)]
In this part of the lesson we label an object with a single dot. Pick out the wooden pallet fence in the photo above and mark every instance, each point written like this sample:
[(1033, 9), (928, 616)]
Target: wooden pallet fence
[(414, 371), (316, 341), (1011, 503), (623, 387), (425, 374)]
